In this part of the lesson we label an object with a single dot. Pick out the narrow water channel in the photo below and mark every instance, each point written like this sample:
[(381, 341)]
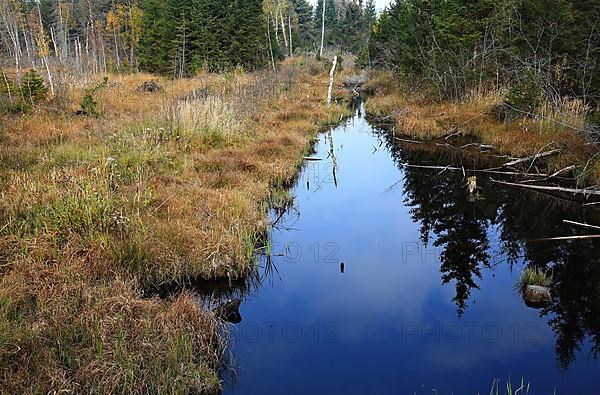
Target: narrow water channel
[(382, 279)]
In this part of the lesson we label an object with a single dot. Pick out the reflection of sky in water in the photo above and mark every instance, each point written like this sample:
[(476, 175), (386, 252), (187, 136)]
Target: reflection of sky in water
[(386, 293)]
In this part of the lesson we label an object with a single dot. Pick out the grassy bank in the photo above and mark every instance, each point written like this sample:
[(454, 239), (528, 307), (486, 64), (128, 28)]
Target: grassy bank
[(97, 211), (416, 114)]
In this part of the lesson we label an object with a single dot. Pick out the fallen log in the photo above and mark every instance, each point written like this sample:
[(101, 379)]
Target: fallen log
[(487, 171), (566, 221), (408, 141), (533, 157), (579, 237), (480, 146), (549, 188)]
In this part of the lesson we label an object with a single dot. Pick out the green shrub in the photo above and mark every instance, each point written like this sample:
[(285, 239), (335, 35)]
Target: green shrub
[(89, 104), (523, 97), (16, 106), (33, 88)]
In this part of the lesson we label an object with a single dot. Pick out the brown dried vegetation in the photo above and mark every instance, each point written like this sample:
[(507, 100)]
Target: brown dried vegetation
[(416, 115), (96, 211)]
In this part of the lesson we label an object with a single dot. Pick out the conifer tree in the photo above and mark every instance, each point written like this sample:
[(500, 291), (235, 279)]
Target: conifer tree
[(155, 39), (33, 88), (304, 34)]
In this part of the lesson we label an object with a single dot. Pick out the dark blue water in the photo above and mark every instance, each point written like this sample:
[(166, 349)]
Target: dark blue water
[(423, 302)]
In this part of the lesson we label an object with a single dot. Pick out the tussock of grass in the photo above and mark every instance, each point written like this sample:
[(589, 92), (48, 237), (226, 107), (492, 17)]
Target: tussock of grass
[(96, 211), (211, 122), (533, 276)]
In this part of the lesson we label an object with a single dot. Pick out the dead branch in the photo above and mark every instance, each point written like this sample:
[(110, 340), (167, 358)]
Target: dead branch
[(568, 168)]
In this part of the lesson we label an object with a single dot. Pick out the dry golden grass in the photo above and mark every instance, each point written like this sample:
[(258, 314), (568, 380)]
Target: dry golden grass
[(97, 211), (419, 116)]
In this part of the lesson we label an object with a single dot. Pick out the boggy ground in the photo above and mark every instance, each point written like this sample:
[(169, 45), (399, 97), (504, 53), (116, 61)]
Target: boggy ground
[(417, 115), (96, 212)]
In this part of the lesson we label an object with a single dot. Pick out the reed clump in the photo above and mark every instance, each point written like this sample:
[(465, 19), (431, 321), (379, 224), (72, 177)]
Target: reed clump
[(533, 276)]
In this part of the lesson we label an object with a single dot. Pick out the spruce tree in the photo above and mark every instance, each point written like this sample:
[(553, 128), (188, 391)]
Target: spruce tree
[(33, 88), (304, 35), (156, 37)]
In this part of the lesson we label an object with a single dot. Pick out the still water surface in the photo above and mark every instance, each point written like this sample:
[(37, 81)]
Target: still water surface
[(423, 302)]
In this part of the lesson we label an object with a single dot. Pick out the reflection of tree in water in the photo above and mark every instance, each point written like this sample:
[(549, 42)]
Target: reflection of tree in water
[(439, 204), (575, 312), (459, 231)]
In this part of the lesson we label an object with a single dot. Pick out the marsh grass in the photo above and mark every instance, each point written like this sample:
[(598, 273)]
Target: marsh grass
[(97, 211), (521, 388), (211, 122)]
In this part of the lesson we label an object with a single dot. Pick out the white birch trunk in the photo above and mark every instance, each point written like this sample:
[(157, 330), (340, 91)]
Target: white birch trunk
[(322, 29), (285, 40), (117, 49), (331, 74), (43, 50), (7, 84), (50, 80), (53, 37), (290, 31)]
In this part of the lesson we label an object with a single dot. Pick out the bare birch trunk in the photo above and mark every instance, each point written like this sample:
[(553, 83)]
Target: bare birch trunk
[(117, 49), (322, 29), (7, 84), (43, 50), (270, 43), (285, 40), (28, 50), (331, 74), (50, 80), (290, 31), (53, 38)]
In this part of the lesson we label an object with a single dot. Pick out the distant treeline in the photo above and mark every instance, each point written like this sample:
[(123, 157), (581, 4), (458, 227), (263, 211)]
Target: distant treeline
[(176, 37), (552, 45)]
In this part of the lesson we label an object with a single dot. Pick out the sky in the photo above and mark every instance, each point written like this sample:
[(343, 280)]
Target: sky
[(380, 3)]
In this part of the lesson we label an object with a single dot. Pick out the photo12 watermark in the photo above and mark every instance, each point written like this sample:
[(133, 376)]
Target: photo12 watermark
[(470, 332), (288, 332)]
